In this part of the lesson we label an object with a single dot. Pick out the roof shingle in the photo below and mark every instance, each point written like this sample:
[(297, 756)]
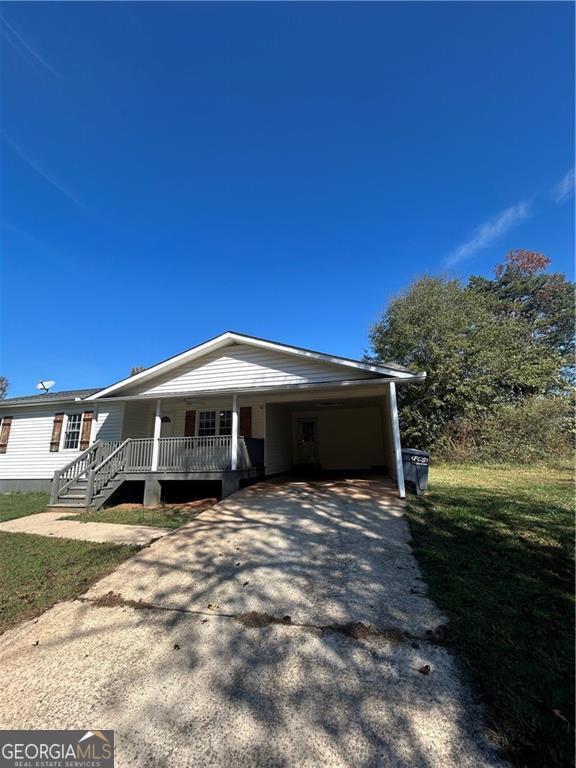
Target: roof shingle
[(51, 397)]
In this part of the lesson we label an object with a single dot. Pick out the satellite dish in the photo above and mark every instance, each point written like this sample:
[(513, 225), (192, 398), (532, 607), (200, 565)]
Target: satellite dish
[(45, 385)]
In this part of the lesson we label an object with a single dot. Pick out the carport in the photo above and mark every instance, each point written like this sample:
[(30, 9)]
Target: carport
[(335, 434)]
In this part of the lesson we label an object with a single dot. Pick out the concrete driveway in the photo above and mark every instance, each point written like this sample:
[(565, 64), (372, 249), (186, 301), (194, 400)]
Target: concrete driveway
[(235, 641)]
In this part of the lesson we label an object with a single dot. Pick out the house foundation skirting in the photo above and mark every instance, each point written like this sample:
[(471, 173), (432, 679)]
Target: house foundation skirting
[(230, 481), (27, 485)]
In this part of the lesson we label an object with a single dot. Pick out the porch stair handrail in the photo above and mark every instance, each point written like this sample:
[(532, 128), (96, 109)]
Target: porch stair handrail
[(106, 470), (79, 467), (74, 470)]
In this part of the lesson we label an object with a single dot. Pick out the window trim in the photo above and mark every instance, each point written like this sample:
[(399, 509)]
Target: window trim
[(216, 412), (65, 431)]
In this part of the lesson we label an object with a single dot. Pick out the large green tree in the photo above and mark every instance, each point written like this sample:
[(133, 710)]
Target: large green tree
[(3, 387), (475, 357), (545, 300)]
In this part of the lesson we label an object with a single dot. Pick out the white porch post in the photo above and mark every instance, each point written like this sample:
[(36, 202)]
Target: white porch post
[(396, 437), (156, 443), (234, 444)]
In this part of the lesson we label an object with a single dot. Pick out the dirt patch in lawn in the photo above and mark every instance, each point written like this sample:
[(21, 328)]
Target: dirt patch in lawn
[(164, 516)]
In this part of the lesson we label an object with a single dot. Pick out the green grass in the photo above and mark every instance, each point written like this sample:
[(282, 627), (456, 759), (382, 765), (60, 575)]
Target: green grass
[(159, 517), (496, 546), (38, 571), (13, 505)]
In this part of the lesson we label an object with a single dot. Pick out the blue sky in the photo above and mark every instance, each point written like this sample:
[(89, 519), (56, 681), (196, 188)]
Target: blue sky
[(173, 170)]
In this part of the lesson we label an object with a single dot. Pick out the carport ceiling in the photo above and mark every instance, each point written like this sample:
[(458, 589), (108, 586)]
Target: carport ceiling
[(334, 404)]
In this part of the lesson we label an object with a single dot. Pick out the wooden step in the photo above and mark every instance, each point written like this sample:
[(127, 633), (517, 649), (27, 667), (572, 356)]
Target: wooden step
[(65, 508), (62, 503)]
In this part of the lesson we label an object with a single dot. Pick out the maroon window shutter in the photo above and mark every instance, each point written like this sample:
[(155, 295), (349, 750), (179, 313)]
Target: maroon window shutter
[(190, 424), (246, 421), (5, 433), (86, 430), (56, 432)]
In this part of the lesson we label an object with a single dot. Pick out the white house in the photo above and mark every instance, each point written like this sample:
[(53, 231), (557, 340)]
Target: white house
[(231, 409)]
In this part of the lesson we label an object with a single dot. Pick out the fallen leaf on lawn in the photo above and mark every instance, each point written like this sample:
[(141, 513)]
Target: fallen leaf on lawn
[(425, 670)]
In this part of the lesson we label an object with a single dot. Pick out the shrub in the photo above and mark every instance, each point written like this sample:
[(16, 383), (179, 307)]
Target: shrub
[(538, 429)]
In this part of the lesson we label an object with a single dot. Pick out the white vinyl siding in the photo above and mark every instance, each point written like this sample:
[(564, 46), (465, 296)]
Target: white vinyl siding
[(139, 416), (241, 366), (108, 421), (259, 420), (278, 445), (29, 456), (138, 420)]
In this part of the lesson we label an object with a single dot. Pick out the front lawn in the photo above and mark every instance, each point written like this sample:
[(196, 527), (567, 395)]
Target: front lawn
[(38, 571), (13, 505), (496, 547), (135, 514)]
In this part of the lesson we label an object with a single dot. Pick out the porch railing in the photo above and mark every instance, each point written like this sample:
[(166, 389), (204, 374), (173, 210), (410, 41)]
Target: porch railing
[(140, 455), (103, 461), (194, 454)]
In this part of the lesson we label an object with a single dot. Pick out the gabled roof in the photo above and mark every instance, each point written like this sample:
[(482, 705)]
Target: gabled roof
[(232, 337), (51, 397)]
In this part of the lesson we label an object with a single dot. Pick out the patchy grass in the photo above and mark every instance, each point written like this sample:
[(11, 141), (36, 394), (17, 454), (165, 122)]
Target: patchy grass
[(38, 571), (496, 546), (136, 514), (13, 505)]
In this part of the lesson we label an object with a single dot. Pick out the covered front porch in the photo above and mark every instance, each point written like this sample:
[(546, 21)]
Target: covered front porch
[(188, 434), (233, 438), (164, 440)]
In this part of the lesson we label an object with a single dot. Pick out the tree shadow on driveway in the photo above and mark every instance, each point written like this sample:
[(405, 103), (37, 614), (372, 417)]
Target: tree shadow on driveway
[(169, 665)]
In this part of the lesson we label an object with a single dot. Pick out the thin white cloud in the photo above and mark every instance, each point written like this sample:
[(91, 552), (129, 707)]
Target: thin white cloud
[(565, 187), (23, 46), (49, 177), (484, 235)]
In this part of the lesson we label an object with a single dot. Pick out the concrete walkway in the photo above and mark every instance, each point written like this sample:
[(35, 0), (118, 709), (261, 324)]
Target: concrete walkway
[(236, 641), (52, 524)]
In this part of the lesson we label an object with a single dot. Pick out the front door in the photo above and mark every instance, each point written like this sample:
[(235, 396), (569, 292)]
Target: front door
[(306, 441)]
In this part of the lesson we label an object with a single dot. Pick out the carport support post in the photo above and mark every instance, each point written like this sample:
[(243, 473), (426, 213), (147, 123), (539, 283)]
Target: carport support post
[(156, 443), (234, 443), (396, 437)]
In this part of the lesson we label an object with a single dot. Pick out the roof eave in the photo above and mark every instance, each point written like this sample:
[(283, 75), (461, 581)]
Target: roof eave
[(278, 389)]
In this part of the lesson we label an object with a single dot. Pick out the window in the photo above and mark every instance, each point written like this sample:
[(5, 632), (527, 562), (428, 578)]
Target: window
[(225, 423), (214, 423), (207, 423), (72, 434)]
